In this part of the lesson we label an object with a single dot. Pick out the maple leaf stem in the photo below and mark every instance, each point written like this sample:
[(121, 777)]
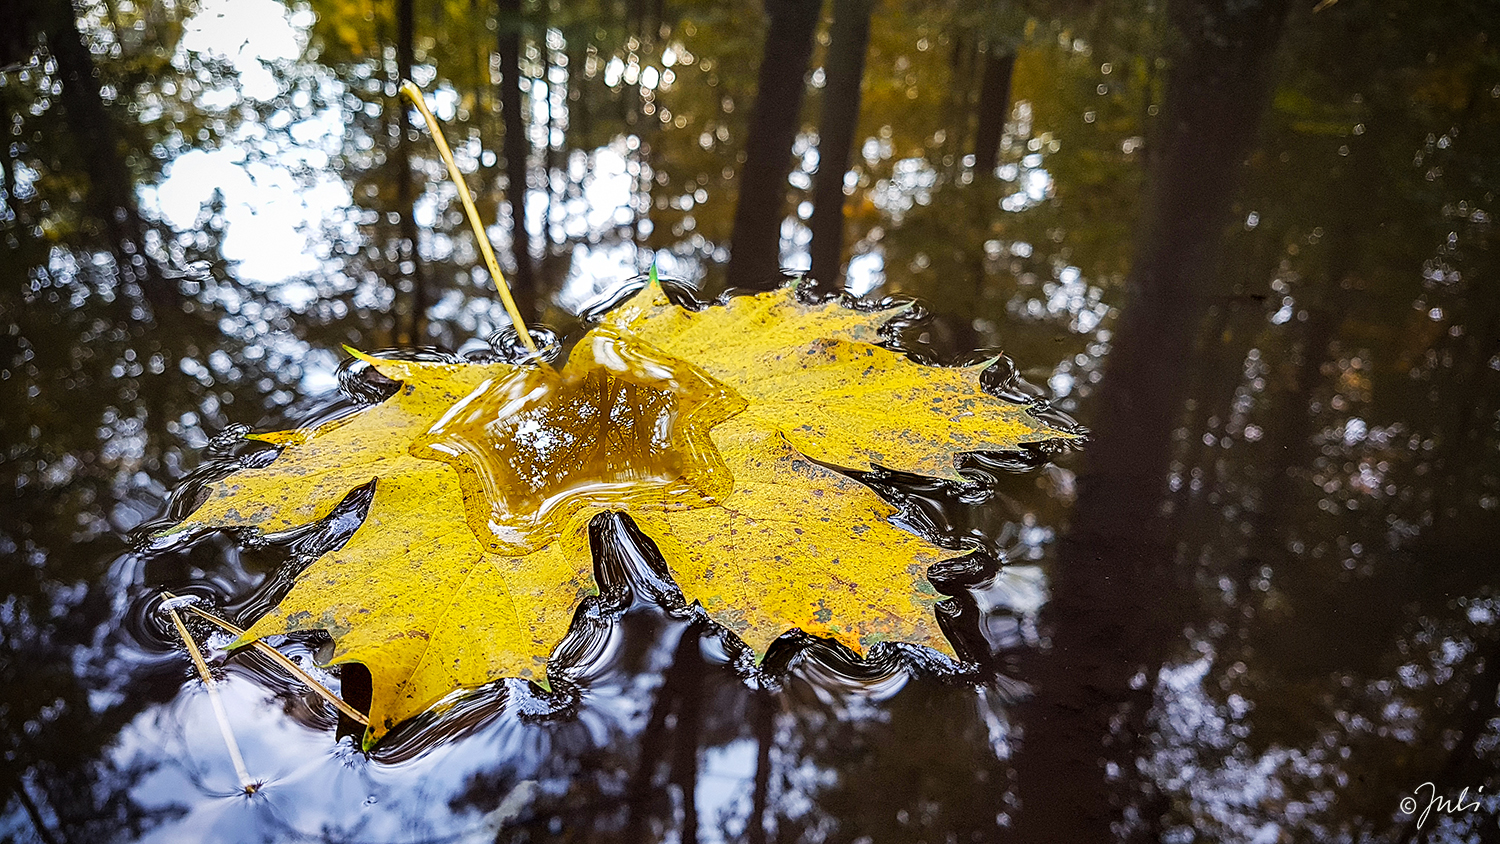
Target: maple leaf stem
[(414, 94), (247, 782)]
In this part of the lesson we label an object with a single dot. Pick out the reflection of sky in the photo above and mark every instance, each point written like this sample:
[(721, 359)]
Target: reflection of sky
[(282, 198), (723, 796), (311, 789), (271, 219), (274, 203), (318, 789), (279, 204), (246, 33), (1234, 792), (608, 185)]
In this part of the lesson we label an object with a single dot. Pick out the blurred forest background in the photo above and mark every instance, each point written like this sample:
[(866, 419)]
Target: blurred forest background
[(1250, 244)]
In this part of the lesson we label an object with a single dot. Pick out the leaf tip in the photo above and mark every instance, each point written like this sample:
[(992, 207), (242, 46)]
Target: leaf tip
[(278, 437), (653, 290), (981, 365), (358, 355)]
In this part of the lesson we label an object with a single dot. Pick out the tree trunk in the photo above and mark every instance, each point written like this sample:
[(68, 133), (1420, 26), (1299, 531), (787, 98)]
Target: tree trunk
[(1117, 590), (755, 242), (843, 73), (994, 108), (516, 149), (406, 192)]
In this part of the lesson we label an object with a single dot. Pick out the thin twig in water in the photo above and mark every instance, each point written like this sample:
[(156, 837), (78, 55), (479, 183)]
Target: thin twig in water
[(284, 661), (247, 783)]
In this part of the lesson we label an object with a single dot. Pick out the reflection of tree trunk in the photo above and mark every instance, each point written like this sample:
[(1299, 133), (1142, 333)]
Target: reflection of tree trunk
[(755, 243), (111, 193), (843, 73), (1216, 367), (991, 112), (959, 100), (1117, 593), (689, 732), (763, 724), (993, 109), (646, 115), (580, 122), (515, 147), (406, 193), (1293, 420), (1291, 426), (680, 695)]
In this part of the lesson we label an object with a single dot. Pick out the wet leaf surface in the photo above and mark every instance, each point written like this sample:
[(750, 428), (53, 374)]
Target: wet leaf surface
[(718, 431)]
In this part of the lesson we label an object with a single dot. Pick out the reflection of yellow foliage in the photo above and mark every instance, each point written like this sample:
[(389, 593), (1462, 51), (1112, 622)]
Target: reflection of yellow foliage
[(448, 584)]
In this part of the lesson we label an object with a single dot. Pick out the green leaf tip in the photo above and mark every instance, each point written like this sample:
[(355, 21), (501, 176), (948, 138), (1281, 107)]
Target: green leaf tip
[(358, 355)]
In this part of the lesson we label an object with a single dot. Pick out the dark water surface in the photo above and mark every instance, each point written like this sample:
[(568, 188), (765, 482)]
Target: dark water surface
[(1251, 246)]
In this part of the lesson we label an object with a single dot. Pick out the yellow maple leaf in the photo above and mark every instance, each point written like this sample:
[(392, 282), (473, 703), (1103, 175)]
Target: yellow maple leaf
[(714, 430)]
